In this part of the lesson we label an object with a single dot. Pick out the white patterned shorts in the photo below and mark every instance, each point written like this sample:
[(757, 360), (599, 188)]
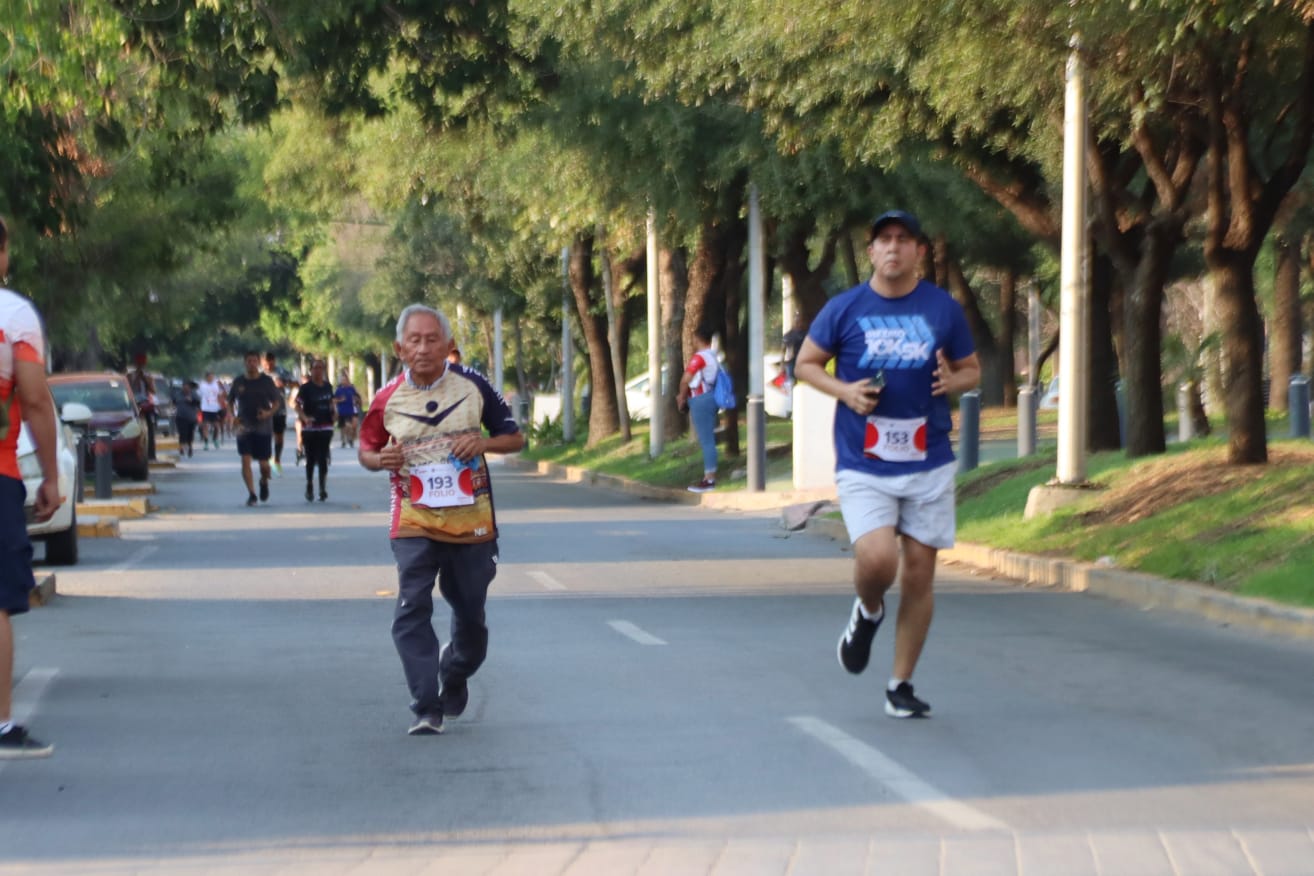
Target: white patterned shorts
[(919, 505)]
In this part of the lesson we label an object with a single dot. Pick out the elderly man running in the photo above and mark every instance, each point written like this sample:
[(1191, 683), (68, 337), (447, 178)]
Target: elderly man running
[(427, 428)]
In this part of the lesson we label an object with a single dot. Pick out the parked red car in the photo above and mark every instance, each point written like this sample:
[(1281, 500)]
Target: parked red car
[(112, 410)]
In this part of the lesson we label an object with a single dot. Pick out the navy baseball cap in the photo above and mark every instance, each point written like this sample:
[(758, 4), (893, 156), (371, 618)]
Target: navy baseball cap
[(907, 220)]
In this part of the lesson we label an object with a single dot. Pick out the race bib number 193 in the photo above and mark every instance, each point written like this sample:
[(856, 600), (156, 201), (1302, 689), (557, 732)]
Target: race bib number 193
[(441, 485), (895, 440)]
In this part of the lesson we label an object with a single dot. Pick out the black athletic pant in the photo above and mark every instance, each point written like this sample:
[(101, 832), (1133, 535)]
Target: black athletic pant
[(317, 443)]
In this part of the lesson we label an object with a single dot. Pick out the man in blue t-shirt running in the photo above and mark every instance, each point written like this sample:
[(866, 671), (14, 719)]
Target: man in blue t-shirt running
[(901, 345)]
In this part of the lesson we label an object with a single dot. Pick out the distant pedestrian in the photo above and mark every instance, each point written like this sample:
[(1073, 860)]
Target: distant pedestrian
[(349, 404), (790, 344), (187, 408), (143, 390), (426, 427), (900, 346), (211, 394), (253, 400), (283, 380), (695, 395), (315, 409), (24, 395)]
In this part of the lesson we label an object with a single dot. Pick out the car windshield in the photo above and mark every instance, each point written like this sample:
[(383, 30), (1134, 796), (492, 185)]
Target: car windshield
[(108, 397)]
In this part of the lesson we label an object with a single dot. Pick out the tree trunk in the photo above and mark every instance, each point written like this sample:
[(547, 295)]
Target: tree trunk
[(1007, 335), (1243, 356), (1102, 430), (674, 270), (948, 268), (1285, 330), (615, 332), (604, 419), (849, 257), (1143, 341), (809, 282)]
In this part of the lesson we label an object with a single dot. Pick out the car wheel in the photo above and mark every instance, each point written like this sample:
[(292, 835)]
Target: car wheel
[(62, 547), (141, 474)]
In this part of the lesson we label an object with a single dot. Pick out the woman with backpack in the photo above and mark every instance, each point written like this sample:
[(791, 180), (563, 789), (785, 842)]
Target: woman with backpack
[(696, 395)]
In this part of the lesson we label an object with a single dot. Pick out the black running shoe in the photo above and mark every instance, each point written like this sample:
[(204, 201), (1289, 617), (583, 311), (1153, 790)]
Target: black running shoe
[(16, 743), (855, 644), (455, 694), (901, 703), (310, 493), (426, 725), (251, 500), (323, 496), (264, 489)]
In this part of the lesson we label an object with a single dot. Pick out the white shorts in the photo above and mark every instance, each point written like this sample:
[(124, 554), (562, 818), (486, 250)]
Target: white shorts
[(919, 505)]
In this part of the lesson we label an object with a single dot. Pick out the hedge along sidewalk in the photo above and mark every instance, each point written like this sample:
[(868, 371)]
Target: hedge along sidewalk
[(1135, 588)]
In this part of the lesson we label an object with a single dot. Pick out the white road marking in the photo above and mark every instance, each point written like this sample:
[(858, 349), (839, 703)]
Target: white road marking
[(27, 693), (630, 631), (893, 776), (548, 582), (137, 536), (137, 557)]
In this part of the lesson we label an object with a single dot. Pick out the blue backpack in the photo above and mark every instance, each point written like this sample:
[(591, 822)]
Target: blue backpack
[(724, 391)]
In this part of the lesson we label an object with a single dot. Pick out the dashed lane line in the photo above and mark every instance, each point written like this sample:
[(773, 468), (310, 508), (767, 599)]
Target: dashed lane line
[(548, 582), (897, 779), (137, 556), (631, 631)]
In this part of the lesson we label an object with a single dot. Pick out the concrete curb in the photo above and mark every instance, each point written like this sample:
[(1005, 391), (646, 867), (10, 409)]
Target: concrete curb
[(98, 527), (1134, 588), (118, 507)]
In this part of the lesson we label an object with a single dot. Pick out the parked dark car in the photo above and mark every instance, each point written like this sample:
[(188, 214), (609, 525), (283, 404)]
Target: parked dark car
[(112, 410)]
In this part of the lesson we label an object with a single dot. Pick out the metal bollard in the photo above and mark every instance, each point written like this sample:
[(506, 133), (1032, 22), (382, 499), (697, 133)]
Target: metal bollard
[(1185, 422), (104, 466), (969, 430), (1026, 421), (1298, 405), (80, 490)]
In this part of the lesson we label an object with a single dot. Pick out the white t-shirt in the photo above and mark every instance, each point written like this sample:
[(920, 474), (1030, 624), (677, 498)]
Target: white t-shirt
[(211, 393)]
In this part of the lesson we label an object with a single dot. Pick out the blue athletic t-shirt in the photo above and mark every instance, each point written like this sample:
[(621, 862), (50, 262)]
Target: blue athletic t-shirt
[(866, 333)]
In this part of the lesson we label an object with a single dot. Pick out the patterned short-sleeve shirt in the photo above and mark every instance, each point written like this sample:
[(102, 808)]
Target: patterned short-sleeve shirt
[(424, 421)]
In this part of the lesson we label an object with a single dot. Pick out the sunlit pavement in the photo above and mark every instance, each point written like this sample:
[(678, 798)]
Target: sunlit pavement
[(661, 696)]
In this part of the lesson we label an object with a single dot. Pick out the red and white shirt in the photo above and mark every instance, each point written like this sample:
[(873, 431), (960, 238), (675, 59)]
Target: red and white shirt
[(434, 495), (22, 339), (704, 367)]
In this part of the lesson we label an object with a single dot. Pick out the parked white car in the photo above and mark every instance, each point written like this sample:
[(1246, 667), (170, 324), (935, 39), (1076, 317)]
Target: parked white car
[(1050, 400), (60, 532), (637, 397), (777, 400)]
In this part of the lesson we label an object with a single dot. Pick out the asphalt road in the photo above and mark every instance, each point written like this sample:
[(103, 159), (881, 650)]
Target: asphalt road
[(661, 696)]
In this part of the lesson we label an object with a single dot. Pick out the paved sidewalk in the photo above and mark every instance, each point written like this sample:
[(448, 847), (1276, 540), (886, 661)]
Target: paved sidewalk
[(798, 509)]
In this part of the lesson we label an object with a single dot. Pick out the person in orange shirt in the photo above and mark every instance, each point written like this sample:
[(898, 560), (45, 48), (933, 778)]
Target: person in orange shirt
[(24, 395)]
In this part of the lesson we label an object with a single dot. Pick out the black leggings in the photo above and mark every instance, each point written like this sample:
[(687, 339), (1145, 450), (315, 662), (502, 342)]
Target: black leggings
[(317, 443)]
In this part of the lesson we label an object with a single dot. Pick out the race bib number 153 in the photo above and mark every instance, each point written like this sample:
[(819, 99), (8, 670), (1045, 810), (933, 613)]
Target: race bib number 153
[(895, 440)]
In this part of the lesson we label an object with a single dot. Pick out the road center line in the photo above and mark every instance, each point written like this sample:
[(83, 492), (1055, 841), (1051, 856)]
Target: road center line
[(630, 631), (139, 555), (903, 783), (548, 582)]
